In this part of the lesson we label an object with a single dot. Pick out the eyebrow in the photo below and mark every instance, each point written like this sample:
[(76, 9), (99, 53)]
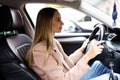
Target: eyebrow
[(58, 18)]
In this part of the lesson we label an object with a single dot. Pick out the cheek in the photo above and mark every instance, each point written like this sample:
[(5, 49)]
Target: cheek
[(55, 27)]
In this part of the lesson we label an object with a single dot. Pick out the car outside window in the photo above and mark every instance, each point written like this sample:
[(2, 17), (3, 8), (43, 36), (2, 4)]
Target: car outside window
[(110, 7), (74, 21)]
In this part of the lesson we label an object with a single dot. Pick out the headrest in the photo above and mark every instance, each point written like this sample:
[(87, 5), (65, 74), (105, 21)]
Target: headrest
[(10, 19)]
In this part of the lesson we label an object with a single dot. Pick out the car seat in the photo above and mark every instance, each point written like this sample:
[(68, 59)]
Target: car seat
[(14, 44)]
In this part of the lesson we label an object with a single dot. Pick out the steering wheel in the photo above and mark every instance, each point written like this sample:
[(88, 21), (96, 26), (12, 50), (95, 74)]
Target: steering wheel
[(97, 28), (92, 38), (111, 51)]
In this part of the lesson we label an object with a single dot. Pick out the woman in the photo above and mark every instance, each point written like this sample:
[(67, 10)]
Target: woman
[(47, 58)]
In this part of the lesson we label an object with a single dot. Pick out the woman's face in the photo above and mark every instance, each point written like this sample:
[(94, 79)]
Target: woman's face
[(57, 22)]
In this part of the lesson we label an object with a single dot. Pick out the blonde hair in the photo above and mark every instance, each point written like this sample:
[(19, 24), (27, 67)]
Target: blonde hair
[(43, 32)]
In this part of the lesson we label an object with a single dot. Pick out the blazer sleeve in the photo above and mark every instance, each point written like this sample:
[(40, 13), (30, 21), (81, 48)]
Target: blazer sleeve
[(75, 57), (55, 70)]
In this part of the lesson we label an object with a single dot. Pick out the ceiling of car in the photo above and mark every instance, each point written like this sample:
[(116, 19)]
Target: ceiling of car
[(71, 3), (95, 2), (17, 3)]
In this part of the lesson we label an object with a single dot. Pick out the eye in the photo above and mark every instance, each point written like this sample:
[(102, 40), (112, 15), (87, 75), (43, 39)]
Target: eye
[(58, 20)]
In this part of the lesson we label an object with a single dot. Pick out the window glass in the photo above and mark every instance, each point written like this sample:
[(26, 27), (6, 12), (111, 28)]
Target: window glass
[(107, 6), (74, 21)]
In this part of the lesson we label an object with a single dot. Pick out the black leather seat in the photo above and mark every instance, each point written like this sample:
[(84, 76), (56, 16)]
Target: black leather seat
[(14, 45)]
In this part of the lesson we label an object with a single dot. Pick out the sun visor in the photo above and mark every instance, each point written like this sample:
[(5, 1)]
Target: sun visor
[(70, 3)]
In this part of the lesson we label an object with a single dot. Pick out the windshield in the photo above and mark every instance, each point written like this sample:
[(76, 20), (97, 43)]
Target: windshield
[(74, 21), (107, 6)]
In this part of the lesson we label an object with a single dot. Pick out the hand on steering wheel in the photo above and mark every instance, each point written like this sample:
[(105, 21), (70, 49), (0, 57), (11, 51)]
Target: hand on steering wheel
[(101, 29), (93, 45)]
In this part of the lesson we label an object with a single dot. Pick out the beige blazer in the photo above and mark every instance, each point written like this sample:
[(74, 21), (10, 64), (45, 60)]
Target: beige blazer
[(57, 67)]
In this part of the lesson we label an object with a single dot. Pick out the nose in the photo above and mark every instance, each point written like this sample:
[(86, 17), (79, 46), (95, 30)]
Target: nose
[(62, 22)]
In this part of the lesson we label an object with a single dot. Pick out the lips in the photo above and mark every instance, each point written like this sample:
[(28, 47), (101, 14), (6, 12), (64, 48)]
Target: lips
[(60, 27)]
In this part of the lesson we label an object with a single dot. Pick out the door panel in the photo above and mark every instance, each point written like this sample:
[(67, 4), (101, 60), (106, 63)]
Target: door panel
[(72, 42)]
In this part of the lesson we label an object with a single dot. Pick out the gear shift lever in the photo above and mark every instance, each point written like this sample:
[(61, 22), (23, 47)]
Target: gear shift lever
[(111, 64)]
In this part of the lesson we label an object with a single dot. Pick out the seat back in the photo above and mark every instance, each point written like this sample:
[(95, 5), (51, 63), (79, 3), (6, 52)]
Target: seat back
[(14, 44)]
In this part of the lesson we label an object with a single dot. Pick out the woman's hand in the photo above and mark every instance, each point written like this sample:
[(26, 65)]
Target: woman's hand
[(84, 45), (94, 50)]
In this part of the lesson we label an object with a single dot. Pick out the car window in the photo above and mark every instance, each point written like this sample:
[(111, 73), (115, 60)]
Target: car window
[(110, 7), (74, 21), (68, 26)]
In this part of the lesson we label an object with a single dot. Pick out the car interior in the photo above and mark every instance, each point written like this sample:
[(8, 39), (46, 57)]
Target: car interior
[(14, 46), (16, 33)]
